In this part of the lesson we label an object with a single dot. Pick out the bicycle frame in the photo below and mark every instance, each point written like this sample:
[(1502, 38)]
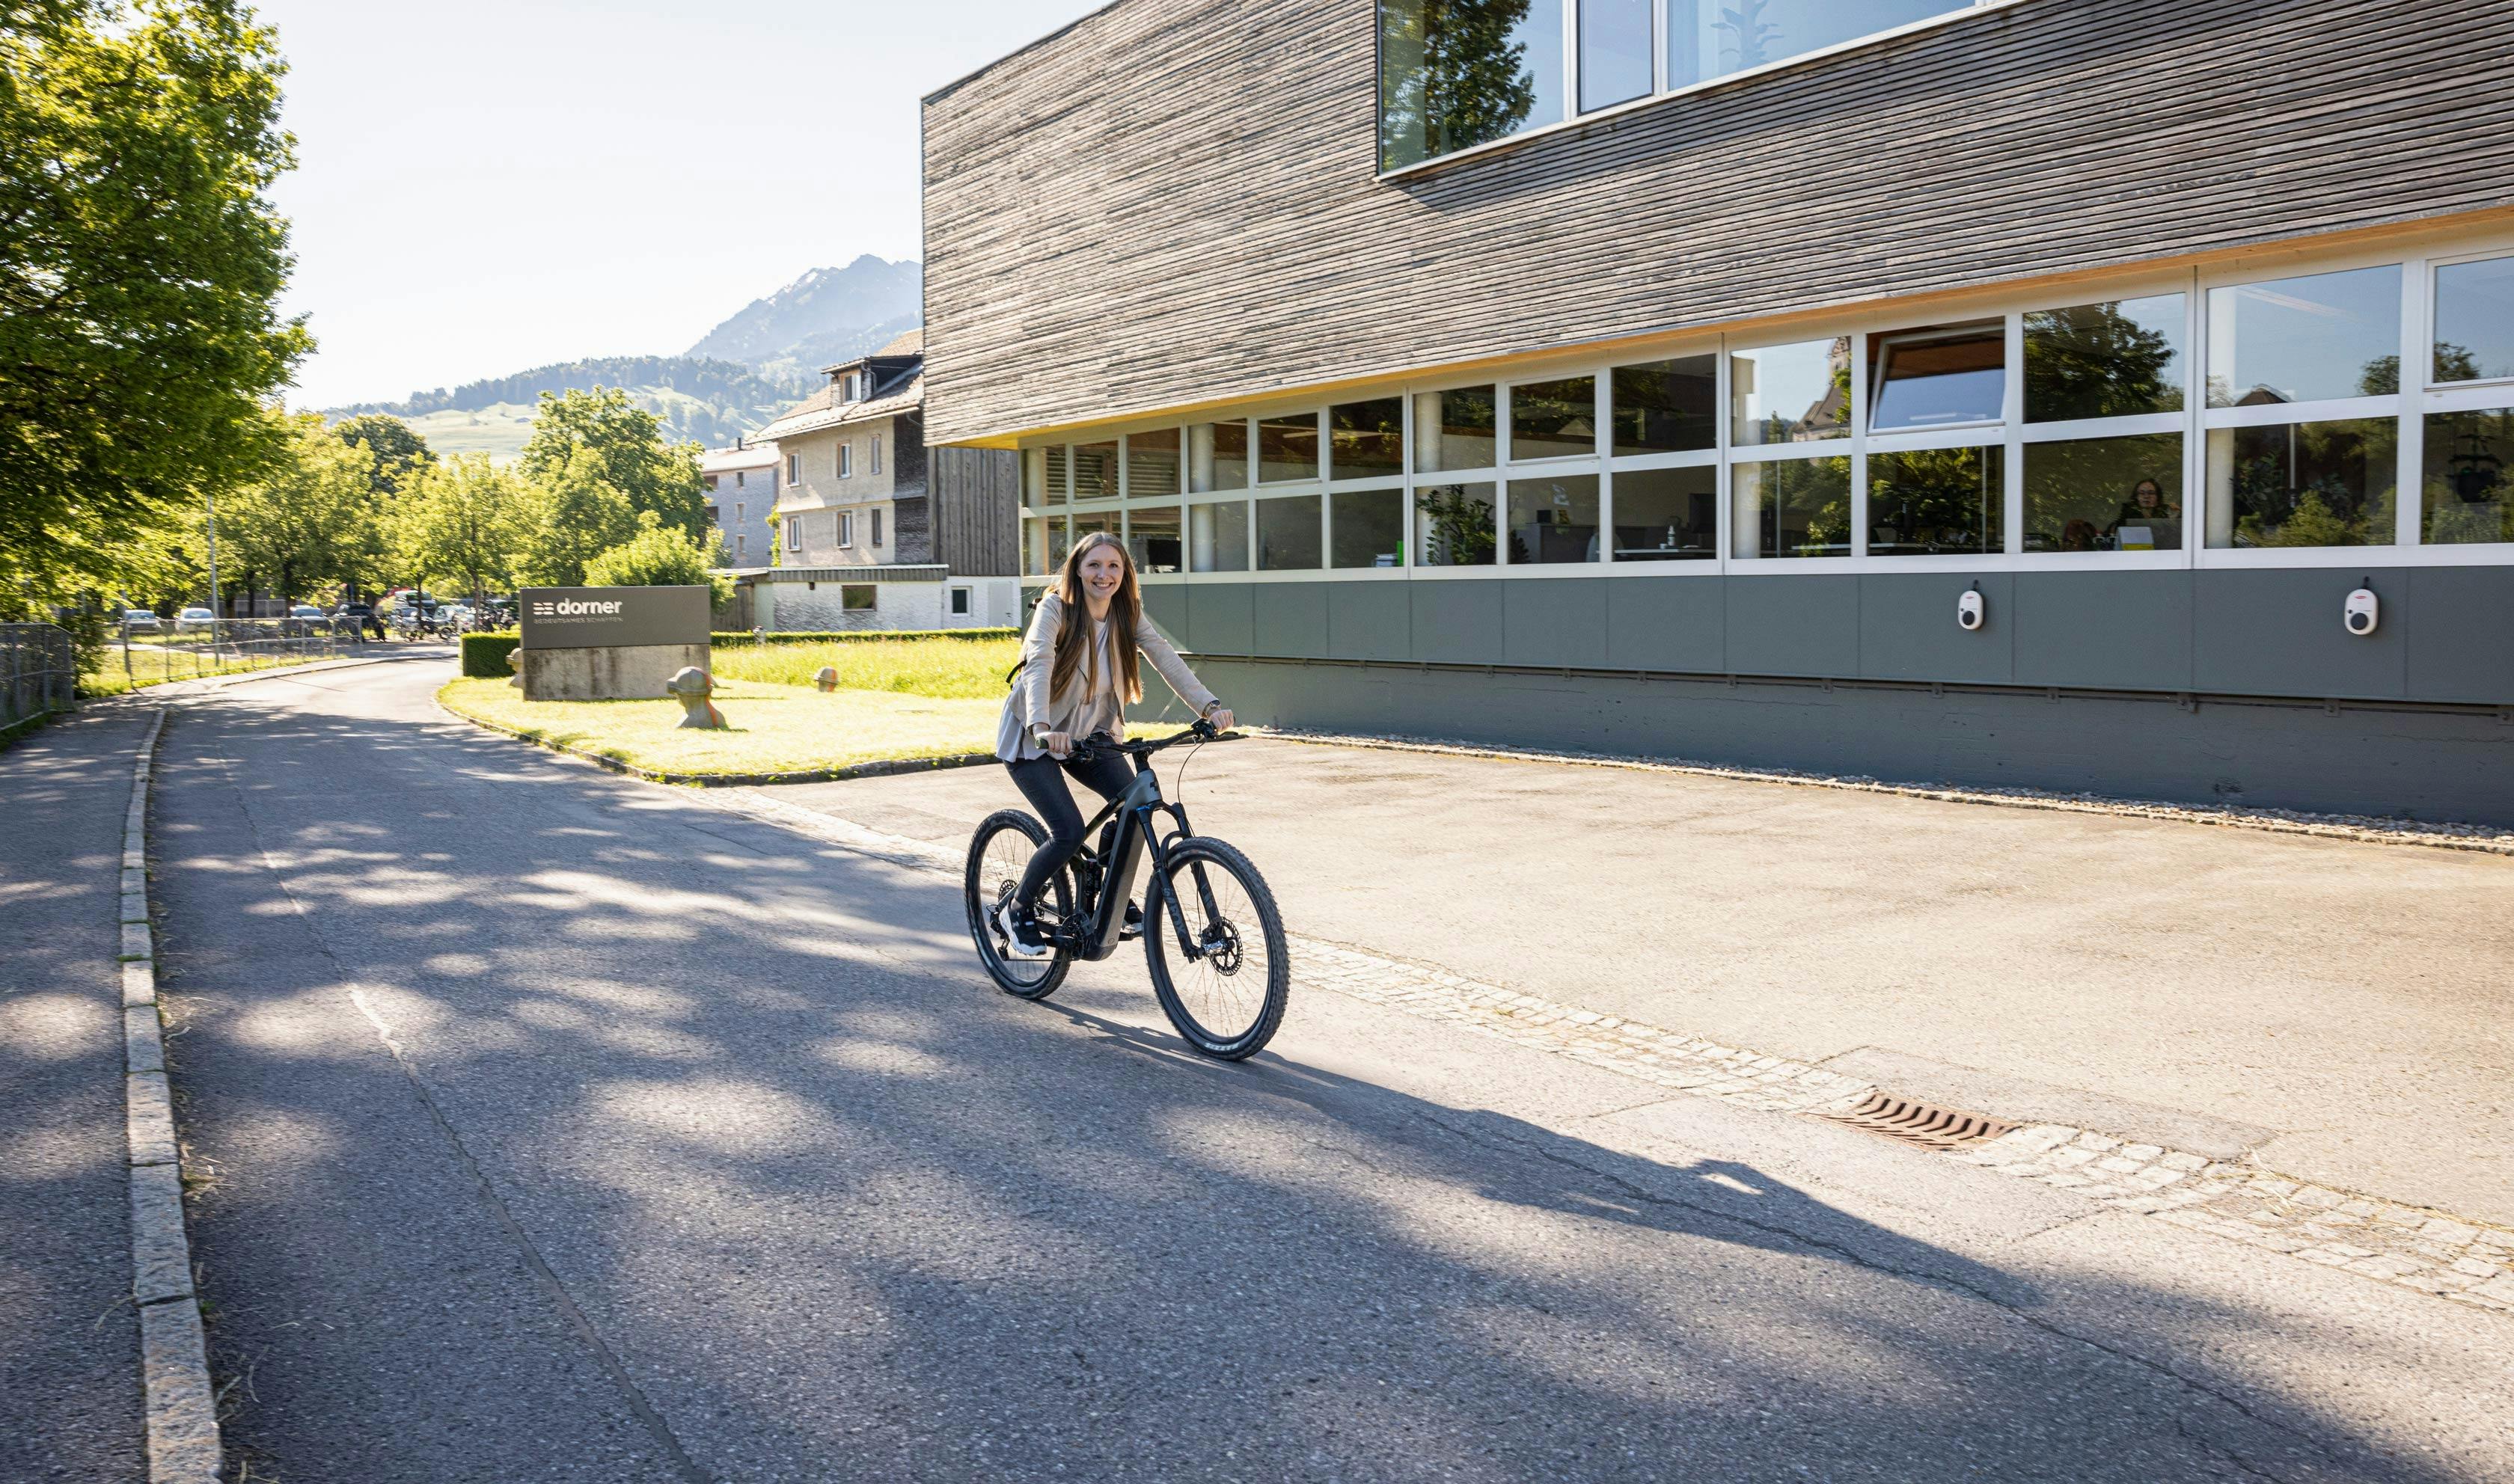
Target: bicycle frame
[(1097, 932)]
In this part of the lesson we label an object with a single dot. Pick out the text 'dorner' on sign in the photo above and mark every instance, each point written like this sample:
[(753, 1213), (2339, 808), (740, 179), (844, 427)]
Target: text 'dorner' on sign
[(614, 617)]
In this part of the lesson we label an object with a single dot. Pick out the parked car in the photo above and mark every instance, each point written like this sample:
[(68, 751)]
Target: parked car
[(193, 621), (362, 616), (305, 618), (138, 621)]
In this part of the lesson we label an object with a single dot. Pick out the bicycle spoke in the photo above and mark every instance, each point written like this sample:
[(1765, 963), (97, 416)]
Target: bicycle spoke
[(1224, 986)]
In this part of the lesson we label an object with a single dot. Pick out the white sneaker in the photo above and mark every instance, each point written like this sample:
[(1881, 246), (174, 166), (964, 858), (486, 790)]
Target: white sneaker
[(1017, 943)]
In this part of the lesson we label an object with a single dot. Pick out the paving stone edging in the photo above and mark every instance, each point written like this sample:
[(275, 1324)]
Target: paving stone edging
[(184, 1445), (2468, 1261)]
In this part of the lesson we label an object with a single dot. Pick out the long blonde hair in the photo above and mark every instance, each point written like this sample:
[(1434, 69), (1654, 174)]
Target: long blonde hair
[(1073, 629)]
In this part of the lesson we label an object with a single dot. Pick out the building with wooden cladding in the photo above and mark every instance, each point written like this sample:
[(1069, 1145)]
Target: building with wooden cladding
[(870, 529), (1687, 378)]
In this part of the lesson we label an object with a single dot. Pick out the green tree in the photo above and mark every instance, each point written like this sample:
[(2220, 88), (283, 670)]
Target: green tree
[(307, 523), (571, 521), (461, 518), (141, 267), (626, 445), (657, 556), (394, 454)]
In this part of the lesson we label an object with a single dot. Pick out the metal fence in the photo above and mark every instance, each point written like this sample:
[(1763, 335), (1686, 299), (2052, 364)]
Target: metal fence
[(42, 670), (187, 649)]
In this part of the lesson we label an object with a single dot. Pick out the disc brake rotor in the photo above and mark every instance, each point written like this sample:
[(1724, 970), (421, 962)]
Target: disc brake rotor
[(1221, 947)]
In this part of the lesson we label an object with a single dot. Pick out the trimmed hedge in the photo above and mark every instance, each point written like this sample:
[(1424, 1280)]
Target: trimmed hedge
[(870, 635), (484, 655)]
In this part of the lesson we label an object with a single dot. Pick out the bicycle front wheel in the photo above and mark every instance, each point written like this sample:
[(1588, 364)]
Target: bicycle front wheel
[(1218, 961), (998, 853)]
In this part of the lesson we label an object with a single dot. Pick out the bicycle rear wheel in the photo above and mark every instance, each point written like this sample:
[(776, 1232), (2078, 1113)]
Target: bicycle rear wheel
[(1227, 999), (998, 853)]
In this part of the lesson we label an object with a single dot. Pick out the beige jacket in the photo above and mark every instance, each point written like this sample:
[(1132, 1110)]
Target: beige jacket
[(1083, 709)]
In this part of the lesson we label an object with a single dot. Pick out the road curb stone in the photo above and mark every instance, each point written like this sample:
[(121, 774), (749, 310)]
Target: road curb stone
[(183, 1446)]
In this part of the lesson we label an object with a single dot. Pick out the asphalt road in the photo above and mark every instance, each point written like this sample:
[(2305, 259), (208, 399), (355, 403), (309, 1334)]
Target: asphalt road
[(558, 1127), (69, 1338), (2341, 1011)]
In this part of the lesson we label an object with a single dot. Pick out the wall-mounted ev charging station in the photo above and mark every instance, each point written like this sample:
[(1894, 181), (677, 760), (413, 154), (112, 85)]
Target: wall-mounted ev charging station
[(2363, 610), (1972, 610)]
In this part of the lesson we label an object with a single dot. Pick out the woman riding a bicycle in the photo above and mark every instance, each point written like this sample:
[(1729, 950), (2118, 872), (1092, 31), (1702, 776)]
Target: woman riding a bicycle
[(1077, 672)]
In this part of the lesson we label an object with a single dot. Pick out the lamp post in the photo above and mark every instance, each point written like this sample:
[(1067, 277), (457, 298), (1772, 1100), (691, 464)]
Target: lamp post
[(214, 574)]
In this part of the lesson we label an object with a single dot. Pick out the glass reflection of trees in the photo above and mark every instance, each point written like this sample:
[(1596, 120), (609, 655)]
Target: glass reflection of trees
[(1457, 429), (1667, 406), (2100, 361), (2470, 478), (1937, 501), (1800, 506), (1453, 73), (2308, 484), (1554, 419), (1457, 524)]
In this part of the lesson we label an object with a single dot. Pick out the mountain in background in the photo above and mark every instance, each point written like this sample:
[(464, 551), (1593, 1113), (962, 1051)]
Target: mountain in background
[(731, 383), (826, 316), (707, 402)]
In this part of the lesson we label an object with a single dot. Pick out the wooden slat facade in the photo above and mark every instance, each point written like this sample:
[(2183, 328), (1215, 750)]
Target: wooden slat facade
[(1174, 201), (975, 508)]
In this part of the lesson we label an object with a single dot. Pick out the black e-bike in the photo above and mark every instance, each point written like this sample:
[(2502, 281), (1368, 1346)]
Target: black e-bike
[(1212, 936)]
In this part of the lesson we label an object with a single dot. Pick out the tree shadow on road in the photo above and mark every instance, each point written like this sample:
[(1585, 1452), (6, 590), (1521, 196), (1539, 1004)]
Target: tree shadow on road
[(828, 1206)]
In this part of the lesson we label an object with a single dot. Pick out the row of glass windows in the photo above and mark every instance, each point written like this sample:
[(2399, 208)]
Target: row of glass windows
[(1457, 73), (2094, 428), (2314, 484)]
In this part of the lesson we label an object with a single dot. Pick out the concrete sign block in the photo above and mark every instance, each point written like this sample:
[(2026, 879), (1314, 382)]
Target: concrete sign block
[(614, 617)]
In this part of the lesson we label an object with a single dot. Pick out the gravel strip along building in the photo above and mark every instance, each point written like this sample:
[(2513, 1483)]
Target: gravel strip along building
[(2034, 393)]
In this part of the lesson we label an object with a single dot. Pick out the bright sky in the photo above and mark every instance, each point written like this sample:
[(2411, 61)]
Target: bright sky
[(489, 185)]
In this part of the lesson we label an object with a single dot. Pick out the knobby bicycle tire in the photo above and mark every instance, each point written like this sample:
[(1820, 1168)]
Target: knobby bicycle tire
[(981, 892), (1226, 1043)]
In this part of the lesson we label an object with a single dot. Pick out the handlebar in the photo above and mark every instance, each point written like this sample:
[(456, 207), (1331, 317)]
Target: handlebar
[(1201, 731)]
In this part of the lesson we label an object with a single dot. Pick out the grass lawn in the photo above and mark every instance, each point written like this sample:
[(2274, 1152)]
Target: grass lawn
[(774, 728), (967, 669)]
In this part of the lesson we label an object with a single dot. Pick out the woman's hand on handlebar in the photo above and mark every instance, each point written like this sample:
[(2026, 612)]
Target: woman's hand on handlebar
[(1059, 744), (1222, 719)]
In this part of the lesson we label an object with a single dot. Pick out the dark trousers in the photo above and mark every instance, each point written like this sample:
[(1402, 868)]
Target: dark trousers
[(1109, 775)]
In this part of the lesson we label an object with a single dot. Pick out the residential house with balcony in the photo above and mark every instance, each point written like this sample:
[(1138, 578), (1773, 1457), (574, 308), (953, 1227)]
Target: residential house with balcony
[(870, 532)]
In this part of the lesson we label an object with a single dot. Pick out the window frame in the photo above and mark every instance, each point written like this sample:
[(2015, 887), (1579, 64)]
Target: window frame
[(1660, 91), (846, 530), (2417, 257)]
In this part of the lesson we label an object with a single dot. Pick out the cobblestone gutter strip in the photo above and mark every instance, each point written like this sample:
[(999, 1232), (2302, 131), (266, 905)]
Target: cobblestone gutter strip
[(2483, 838), (2424, 1250), (2465, 1262), (174, 1363)]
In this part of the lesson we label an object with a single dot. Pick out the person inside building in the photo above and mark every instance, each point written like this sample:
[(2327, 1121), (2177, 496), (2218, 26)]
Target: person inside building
[(2148, 509), (1077, 672)]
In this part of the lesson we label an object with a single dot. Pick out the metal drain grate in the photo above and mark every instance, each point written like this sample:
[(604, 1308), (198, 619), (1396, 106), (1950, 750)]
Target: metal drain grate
[(1938, 1127)]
